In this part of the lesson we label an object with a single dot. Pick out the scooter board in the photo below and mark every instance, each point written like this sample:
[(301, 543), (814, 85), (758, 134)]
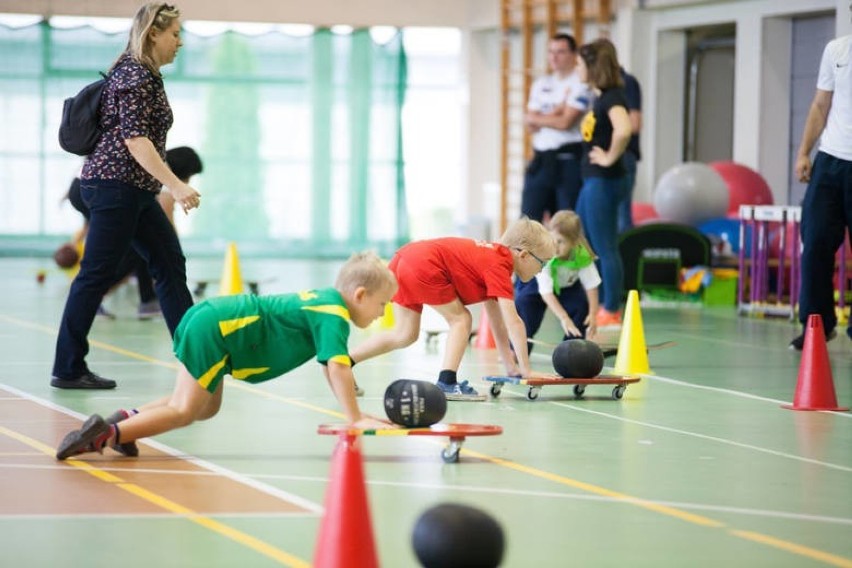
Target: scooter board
[(455, 432), (620, 382)]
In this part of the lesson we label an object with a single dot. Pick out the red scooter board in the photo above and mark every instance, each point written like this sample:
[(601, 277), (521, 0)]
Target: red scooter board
[(620, 382), (455, 432)]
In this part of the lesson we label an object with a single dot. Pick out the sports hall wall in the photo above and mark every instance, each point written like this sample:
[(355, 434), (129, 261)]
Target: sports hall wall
[(652, 38)]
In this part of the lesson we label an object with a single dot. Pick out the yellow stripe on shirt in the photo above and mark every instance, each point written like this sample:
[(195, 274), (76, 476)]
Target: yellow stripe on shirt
[(241, 374), (342, 359), (330, 309), (205, 379), (227, 327)]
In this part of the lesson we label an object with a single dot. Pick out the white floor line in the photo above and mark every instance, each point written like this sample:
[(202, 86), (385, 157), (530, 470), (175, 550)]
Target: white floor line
[(587, 497), (147, 516), (731, 392), (705, 437)]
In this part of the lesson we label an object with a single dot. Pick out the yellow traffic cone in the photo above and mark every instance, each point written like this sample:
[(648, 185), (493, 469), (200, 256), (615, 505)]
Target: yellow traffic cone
[(384, 322), (232, 281), (632, 358)]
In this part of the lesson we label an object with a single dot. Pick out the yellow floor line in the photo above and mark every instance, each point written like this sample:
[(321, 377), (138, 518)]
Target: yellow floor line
[(158, 500), (811, 553)]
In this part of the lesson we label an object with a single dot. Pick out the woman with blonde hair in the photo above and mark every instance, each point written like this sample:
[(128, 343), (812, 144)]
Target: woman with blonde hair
[(119, 184)]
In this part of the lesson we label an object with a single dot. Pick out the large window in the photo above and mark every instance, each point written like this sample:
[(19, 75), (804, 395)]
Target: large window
[(433, 130), (299, 134)]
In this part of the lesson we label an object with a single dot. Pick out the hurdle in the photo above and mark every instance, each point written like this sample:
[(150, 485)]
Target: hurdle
[(756, 294)]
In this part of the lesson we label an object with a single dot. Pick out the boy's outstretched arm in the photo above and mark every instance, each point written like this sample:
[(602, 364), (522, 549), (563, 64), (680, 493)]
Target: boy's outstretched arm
[(342, 382), (518, 335), (501, 338)]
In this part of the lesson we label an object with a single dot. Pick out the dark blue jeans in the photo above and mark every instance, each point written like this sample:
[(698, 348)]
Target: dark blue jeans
[(122, 217), (532, 308), (826, 214), (598, 210), (552, 182), (625, 207)]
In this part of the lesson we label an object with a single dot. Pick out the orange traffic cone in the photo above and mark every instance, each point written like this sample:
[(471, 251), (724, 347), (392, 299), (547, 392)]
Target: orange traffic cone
[(815, 387), (484, 338), (232, 280), (346, 533)]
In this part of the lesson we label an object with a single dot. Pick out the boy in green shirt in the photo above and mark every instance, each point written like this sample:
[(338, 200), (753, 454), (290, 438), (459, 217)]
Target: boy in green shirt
[(253, 339)]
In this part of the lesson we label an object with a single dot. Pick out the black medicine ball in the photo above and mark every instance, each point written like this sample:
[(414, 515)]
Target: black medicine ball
[(457, 536), (414, 404), (578, 358)]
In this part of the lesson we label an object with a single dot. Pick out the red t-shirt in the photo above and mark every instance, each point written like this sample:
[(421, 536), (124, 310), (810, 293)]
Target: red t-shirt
[(437, 271)]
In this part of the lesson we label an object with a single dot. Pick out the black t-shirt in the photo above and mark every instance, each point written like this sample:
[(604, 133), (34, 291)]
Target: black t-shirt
[(596, 129), (633, 92)]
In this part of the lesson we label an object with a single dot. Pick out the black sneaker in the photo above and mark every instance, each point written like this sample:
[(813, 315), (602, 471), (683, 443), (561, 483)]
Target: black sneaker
[(129, 449), (88, 380), (90, 438), (799, 343)]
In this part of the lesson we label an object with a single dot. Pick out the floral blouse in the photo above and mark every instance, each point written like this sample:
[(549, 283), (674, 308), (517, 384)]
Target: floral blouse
[(134, 104)]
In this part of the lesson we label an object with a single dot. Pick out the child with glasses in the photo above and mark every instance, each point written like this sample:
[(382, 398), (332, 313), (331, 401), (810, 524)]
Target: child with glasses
[(452, 273)]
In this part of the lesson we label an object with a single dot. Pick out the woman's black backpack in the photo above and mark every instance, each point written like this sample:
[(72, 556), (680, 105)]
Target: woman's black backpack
[(79, 128)]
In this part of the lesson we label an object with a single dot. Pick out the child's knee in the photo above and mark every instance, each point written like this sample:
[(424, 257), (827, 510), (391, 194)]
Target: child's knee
[(210, 411)]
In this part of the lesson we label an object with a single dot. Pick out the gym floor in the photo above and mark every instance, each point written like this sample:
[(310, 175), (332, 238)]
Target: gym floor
[(698, 465)]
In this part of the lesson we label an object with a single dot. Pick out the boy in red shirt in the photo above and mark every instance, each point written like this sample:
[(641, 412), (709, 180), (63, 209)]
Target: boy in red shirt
[(451, 273)]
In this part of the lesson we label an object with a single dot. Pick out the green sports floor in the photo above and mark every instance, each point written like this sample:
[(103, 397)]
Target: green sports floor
[(698, 465)]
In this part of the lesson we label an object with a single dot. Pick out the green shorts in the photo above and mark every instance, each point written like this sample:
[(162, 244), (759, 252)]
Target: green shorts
[(199, 345)]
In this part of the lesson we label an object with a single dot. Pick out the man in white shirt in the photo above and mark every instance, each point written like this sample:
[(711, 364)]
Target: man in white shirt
[(827, 207), (557, 102)]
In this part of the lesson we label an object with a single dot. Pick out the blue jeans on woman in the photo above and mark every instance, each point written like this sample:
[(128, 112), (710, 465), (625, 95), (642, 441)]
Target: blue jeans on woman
[(122, 216), (625, 206), (598, 210)]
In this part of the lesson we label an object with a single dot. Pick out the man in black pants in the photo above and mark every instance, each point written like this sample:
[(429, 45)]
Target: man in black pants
[(827, 207), (557, 101)]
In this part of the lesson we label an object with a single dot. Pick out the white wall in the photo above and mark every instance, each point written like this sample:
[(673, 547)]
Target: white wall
[(761, 90), (358, 13)]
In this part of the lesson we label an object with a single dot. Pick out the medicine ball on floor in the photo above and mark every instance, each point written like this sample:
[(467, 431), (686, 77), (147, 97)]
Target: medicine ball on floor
[(578, 358), (414, 404), (457, 536)]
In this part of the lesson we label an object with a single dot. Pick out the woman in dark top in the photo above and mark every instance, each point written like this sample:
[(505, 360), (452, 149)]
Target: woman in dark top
[(119, 184), (606, 132)]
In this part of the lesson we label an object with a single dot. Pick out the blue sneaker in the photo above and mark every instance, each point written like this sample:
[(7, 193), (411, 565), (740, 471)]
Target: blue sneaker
[(460, 391)]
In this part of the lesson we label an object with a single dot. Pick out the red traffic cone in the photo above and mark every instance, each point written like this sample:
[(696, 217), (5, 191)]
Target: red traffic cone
[(484, 338), (815, 387), (346, 533)]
